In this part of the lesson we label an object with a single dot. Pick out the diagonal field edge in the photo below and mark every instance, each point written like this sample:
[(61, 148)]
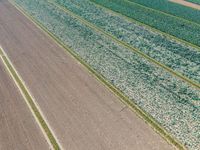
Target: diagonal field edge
[(29, 100), (147, 26), (124, 99), (162, 12), (126, 45), (194, 2)]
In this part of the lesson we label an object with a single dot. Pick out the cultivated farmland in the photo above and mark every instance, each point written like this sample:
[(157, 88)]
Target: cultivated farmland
[(172, 8), (79, 110), (147, 56), (171, 25)]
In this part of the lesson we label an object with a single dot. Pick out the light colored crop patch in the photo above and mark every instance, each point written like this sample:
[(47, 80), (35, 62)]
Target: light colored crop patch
[(191, 3), (166, 98), (194, 1)]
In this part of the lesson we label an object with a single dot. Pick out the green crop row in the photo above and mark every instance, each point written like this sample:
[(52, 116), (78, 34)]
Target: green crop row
[(170, 101), (170, 25), (172, 8), (177, 56)]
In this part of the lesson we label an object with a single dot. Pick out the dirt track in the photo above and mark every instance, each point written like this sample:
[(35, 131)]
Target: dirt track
[(82, 112), (18, 129), (185, 3)]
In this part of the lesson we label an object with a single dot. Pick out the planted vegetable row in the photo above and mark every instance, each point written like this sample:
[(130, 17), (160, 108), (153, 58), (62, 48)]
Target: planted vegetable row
[(178, 56), (172, 8), (170, 25)]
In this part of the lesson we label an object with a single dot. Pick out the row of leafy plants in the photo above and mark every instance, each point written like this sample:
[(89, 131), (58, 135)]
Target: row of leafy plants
[(170, 25), (178, 56), (172, 8)]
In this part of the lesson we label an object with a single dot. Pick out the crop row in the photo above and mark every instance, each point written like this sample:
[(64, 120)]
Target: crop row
[(173, 26), (172, 8), (169, 100), (177, 56)]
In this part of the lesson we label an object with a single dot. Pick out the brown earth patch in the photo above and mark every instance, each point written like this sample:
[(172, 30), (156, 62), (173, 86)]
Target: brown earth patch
[(185, 3)]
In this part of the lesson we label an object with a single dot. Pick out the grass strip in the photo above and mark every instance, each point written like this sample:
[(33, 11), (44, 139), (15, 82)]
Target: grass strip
[(28, 99), (94, 27), (124, 99)]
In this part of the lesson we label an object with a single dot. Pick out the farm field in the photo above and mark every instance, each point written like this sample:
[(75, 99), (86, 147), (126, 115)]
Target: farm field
[(74, 103), (18, 128), (171, 25), (152, 44), (149, 59), (175, 9)]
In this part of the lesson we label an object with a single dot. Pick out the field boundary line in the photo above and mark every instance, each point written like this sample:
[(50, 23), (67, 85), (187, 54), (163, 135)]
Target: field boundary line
[(162, 12), (188, 6), (166, 35), (30, 101), (124, 99), (126, 45)]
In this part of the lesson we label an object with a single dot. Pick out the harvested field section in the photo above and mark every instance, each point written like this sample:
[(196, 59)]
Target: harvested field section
[(175, 55), (18, 128), (79, 109), (170, 101)]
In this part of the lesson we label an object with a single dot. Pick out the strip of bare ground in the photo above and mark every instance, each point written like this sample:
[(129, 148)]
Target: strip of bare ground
[(81, 111), (185, 3)]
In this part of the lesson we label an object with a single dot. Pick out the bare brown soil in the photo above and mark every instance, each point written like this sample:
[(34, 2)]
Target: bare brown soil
[(83, 113), (18, 128), (185, 3)]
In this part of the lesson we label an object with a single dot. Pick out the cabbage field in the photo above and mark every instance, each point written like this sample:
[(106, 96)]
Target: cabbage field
[(175, 55), (99, 38), (171, 25), (173, 8)]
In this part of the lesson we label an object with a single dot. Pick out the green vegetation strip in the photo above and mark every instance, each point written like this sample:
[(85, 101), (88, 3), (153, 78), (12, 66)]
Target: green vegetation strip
[(145, 116), (29, 99), (178, 56), (154, 20), (159, 11), (172, 8), (196, 85), (146, 25)]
